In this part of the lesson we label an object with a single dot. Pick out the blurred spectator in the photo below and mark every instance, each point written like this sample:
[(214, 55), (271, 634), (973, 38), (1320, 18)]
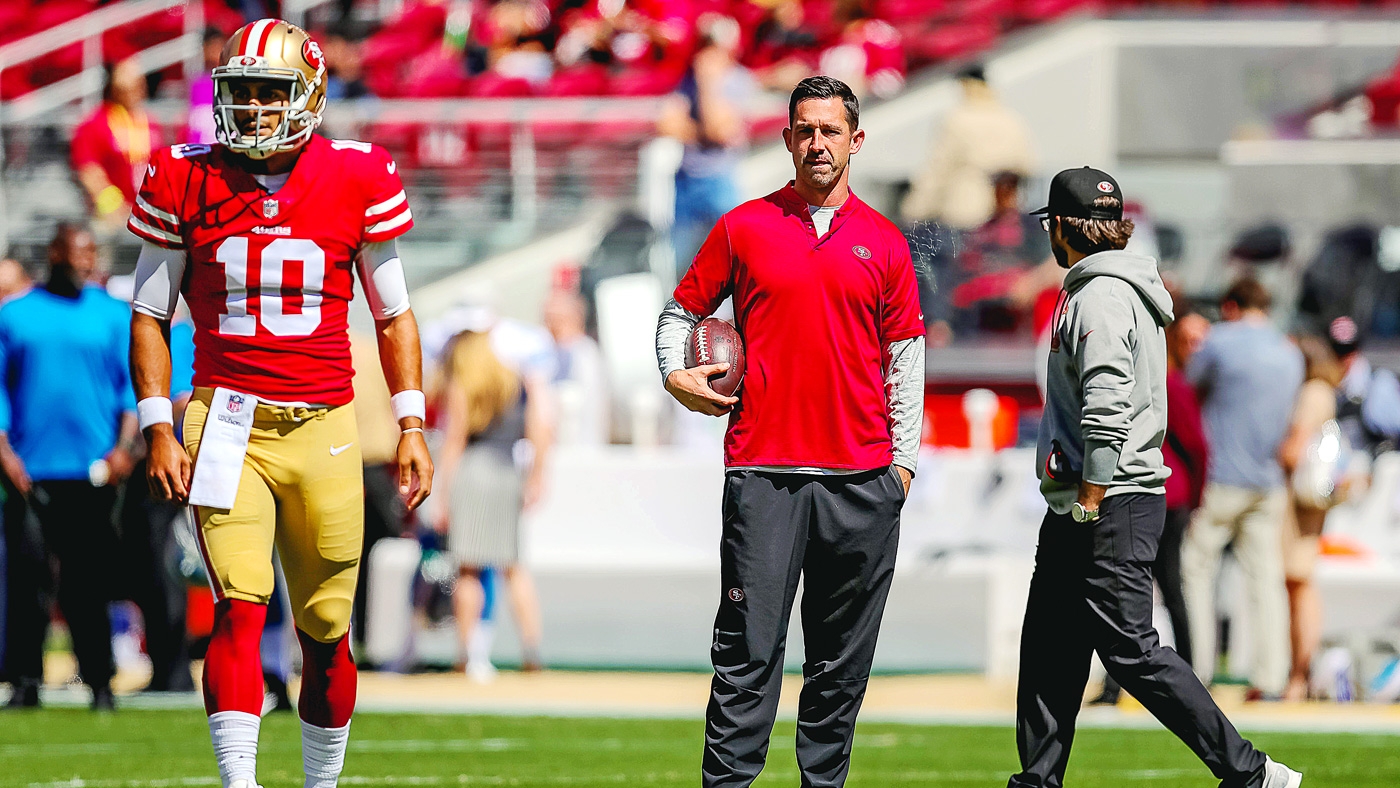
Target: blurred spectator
[(980, 138), (707, 115), (345, 64), (486, 412), (1343, 279), (379, 443), (112, 146), (514, 39), (580, 378), (1316, 405), (778, 43), (986, 284), (1247, 374), (150, 551), (646, 43), (67, 436), (199, 129), (1184, 452), (1368, 400), (868, 56), (14, 280)]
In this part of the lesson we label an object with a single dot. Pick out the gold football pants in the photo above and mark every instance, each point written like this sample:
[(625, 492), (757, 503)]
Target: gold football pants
[(302, 490)]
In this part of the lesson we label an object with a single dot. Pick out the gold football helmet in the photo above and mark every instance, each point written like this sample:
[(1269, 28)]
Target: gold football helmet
[(270, 50)]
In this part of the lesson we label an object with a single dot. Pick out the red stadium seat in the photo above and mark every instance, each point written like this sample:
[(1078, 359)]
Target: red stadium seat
[(490, 85), (897, 11), (995, 11), (589, 80), (948, 42), (1043, 10)]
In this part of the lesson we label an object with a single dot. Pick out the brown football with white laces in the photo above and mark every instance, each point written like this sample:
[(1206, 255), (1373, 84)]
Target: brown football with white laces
[(714, 341)]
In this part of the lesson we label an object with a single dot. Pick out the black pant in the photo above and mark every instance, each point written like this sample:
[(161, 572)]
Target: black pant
[(151, 577), (1167, 571), (1092, 591), (69, 522), (384, 517), (840, 534)]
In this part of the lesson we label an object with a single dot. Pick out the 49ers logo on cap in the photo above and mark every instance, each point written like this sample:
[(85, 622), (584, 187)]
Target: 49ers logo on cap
[(861, 252), (1105, 187), (311, 52)]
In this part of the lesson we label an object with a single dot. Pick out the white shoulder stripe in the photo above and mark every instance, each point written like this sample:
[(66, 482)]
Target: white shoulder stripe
[(386, 206), (140, 226), (390, 224), (156, 212)]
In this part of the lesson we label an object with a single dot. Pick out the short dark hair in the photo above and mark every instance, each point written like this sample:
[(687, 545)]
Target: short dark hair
[(1248, 293), (825, 88), (1091, 236)]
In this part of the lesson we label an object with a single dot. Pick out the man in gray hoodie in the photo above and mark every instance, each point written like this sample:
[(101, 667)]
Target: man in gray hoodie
[(1101, 472)]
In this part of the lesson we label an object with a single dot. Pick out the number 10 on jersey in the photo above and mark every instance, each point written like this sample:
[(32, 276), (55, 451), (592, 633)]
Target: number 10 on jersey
[(238, 320)]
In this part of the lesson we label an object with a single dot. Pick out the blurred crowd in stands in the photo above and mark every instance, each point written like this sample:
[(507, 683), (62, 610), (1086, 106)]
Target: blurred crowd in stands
[(437, 48)]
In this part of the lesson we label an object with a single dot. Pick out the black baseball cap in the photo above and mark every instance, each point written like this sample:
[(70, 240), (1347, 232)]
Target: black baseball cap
[(1072, 193)]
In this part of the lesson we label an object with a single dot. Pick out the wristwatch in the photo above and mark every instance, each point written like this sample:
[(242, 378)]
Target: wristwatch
[(1082, 515)]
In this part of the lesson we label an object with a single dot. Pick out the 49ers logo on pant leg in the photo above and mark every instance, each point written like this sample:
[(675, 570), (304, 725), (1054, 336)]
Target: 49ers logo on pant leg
[(736, 595)]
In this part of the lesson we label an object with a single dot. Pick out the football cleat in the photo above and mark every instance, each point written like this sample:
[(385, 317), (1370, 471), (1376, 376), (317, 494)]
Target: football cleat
[(270, 50)]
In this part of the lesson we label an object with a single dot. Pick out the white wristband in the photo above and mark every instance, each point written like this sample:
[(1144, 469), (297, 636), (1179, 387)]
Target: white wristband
[(154, 410), (409, 402)]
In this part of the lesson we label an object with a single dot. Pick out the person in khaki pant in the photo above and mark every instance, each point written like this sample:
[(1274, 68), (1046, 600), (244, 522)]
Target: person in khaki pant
[(1248, 375)]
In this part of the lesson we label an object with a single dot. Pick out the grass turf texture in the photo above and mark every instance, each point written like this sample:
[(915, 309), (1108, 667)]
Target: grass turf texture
[(63, 748)]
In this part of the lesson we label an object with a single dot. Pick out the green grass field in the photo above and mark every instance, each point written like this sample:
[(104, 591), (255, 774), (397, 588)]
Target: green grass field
[(64, 748)]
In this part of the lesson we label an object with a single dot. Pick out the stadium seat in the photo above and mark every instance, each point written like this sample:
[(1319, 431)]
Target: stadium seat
[(587, 80), (948, 42), (490, 85)]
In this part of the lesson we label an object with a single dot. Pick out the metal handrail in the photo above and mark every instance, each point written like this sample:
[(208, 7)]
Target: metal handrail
[(84, 27)]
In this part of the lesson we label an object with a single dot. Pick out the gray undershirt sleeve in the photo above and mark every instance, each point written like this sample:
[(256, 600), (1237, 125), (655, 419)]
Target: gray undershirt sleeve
[(904, 388), (672, 330)]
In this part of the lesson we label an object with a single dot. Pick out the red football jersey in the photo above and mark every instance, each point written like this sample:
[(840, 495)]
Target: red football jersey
[(269, 276)]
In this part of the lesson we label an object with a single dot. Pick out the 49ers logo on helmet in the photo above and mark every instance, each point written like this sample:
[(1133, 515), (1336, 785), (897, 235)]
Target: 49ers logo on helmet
[(247, 60), (311, 52)]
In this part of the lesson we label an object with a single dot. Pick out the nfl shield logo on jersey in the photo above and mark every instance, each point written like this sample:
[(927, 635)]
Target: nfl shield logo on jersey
[(235, 401), (269, 208)]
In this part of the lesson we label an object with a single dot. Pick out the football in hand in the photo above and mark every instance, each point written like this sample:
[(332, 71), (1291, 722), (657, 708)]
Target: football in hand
[(714, 341)]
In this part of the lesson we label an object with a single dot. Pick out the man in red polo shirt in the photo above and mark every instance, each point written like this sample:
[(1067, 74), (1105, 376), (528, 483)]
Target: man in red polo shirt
[(823, 439)]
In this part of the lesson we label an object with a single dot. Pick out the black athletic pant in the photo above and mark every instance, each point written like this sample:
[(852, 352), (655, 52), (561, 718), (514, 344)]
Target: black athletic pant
[(384, 517), (1167, 572), (150, 559), (70, 521), (839, 534), (1092, 590)]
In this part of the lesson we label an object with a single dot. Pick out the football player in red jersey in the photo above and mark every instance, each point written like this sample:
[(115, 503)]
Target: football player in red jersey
[(263, 233)]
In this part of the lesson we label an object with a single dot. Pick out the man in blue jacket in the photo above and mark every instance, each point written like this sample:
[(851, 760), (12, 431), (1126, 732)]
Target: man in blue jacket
[(68, 434)]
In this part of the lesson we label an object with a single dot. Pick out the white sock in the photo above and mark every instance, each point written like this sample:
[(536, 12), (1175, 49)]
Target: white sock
[(235, 737), (323, 753)]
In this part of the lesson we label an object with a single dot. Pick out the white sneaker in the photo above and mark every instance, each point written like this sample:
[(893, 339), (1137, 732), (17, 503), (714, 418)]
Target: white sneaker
[(1276, 775), (480, 672), (243, 784)]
